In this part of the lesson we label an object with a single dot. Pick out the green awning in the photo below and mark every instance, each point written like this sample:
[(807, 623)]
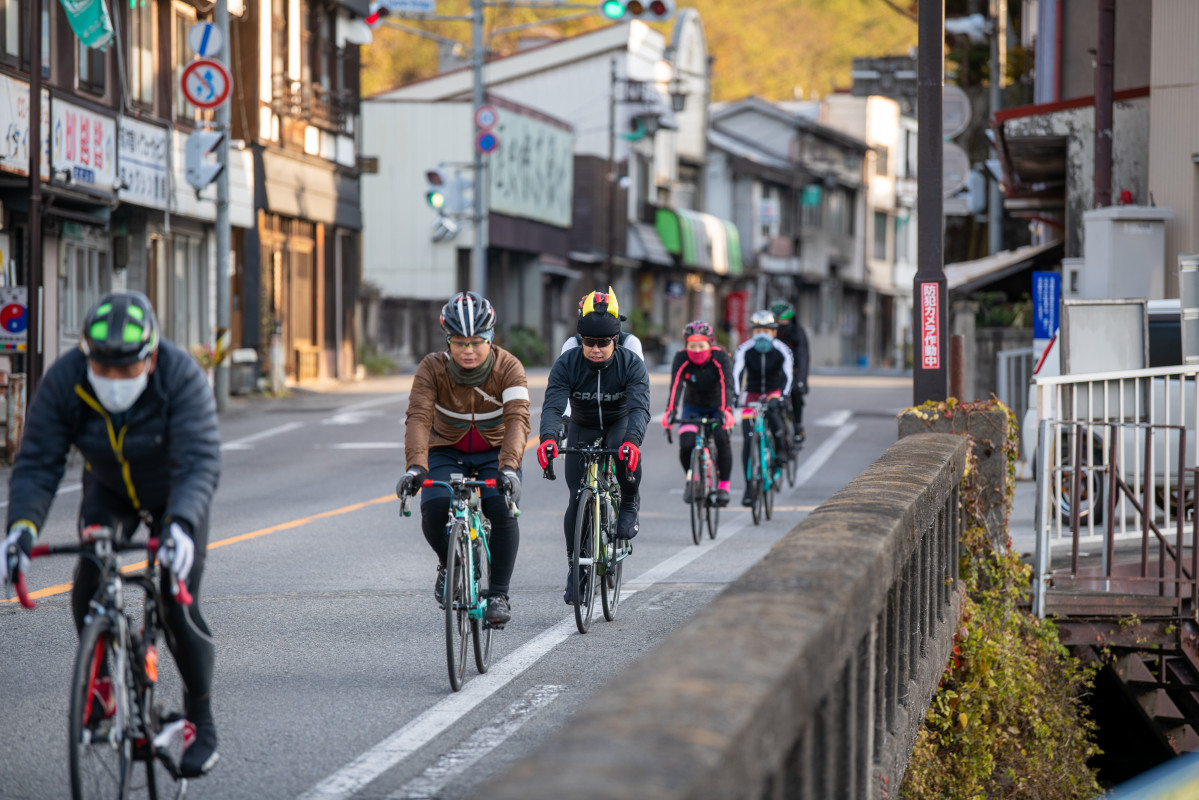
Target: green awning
[(700, 240)]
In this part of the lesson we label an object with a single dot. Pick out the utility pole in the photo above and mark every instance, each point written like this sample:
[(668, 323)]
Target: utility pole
[(33, 297), (223, 119), (611, 176), (1105, 53), (930, 317), (995, 201), (479, 246)]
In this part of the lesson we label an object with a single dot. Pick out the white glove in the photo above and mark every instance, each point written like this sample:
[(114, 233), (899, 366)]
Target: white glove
[(184, 552)]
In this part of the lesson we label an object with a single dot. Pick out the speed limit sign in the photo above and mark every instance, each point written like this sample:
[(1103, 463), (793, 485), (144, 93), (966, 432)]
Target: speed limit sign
[(486, 117)]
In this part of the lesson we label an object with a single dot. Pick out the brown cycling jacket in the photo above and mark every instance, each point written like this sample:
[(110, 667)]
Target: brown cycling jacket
[(440, 411)]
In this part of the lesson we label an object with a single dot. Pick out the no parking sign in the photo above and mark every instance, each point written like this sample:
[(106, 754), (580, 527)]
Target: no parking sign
[(14, 318)]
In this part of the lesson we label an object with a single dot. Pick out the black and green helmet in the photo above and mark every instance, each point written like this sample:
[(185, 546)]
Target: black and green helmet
[(783, 311), (121, 329)]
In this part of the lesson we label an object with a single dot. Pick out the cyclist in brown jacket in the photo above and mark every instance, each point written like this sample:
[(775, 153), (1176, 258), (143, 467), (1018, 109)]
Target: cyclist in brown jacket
[(468, 413)]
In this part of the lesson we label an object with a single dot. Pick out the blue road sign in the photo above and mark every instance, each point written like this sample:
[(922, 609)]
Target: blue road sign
[(1046, 296)]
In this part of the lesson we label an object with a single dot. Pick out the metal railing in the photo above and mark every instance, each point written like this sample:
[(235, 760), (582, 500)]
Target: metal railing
[(830, 650), (1013, 371), (1117, 454), (321, 107)]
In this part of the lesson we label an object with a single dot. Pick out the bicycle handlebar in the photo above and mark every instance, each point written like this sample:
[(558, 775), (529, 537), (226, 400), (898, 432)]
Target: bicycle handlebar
[(152, 546), (489, 483)]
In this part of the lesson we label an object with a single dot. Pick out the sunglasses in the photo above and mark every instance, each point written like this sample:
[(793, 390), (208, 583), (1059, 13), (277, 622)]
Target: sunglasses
[(589, 341), (475, 344)]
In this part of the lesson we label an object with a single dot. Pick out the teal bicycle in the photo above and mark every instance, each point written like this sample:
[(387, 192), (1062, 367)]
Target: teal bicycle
[(762, 473), (468, 573)]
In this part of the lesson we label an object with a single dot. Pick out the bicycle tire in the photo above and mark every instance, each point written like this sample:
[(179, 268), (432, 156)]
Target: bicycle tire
[(586, 533), (610, 586), (103, 769), (710, 507), (792, 465), (480, 632), (754, 478), (699, 497), (456, 605), (768, 500)]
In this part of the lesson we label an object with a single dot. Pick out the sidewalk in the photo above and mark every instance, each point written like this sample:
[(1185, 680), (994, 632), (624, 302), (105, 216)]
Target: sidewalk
[(1022, 522)]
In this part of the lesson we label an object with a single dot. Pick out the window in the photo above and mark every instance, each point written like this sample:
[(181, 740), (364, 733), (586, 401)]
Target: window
[(881, 156), (142, 24), (903, 238), (13, 29), (880, 235), (79, 286), (90, 68)]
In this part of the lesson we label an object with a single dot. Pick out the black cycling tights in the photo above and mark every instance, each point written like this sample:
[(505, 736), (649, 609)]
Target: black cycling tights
[(724, 451), (505, 536)]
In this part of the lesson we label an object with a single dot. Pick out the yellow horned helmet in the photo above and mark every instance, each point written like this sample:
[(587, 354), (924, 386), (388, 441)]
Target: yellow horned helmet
[(592, 298)]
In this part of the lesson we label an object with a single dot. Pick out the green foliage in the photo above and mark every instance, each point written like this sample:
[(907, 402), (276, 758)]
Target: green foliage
[(815, 56), (375, 362), (1007, 720), (994, 311), (526, 345)]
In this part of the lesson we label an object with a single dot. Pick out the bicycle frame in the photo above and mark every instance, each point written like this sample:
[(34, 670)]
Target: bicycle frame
[(466, 507), (765, 450)]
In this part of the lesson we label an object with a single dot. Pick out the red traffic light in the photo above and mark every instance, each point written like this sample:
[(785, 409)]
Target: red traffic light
[(658, 8)]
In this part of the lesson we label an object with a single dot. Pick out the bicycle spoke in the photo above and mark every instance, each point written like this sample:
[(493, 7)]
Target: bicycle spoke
[(456, 615), (480, 632), (100, 752), (586, 533)]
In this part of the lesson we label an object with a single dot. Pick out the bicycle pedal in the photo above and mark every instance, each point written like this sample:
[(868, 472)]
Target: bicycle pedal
[(495, 626)]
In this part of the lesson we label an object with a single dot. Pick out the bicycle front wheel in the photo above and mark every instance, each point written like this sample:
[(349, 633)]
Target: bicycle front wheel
[(101, 752), (712, 511), (457, 604), (613, 557), (755, 480), (481, 632), (699, 496), (582, 567)]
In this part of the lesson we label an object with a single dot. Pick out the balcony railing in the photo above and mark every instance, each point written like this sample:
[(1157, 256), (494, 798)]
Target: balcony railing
[(324, 108)]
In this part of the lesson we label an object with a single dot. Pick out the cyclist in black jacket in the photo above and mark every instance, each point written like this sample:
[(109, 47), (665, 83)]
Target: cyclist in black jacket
[(608, 390), (792, 334), (762, 370), (702, 386), (143, 416)]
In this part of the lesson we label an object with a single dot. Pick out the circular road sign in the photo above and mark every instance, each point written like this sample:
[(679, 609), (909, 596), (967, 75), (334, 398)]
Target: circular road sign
[(955, 170), (486, 142), (205, 83), (204, 38), (955, 110), (486, 117)]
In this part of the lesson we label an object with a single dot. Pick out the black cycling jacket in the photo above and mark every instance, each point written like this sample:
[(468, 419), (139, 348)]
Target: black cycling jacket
[(762, 373), (598, 397), (707, 385), (794, 336), (162, 455)]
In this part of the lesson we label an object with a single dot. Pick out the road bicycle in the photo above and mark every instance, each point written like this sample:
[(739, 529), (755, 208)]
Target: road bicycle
[(791, 447), (104, 749), (595, 544), (703, 478), (762, 473), (468, 573)]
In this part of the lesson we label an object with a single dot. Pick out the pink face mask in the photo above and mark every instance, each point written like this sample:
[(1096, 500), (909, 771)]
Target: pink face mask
[(700, 357)]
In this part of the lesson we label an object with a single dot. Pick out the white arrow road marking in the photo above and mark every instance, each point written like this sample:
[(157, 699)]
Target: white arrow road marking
[(245, 442), (834, 419), (452, 764), (426, 726)]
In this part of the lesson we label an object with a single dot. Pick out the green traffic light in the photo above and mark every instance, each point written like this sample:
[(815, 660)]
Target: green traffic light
[(612, 9), (436, 200)]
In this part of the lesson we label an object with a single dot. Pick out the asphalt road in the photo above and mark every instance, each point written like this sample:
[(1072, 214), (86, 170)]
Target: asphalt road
[(330, 677)]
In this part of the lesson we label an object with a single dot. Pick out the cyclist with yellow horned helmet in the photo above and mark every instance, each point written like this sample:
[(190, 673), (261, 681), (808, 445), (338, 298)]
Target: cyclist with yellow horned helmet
[(608, 389)]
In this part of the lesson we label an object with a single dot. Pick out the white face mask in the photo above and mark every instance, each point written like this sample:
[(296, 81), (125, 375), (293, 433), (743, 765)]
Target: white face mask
[(118, 394)]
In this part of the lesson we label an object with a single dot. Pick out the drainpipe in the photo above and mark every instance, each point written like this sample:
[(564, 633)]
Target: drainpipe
[(33, 298)]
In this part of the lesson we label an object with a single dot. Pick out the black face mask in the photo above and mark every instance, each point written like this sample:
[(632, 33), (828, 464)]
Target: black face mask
[(599, 365)]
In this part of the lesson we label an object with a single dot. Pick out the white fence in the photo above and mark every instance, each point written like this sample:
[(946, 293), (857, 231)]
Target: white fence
[(1116, 462)]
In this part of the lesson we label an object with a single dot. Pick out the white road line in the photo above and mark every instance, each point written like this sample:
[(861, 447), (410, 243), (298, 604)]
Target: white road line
[(378, 401), (424, 728), (244, 442), (834, 419), (70, 487), (450, 765)]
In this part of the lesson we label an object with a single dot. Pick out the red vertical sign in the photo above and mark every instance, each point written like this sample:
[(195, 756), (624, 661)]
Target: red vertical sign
[(930, 327), (734, 313)]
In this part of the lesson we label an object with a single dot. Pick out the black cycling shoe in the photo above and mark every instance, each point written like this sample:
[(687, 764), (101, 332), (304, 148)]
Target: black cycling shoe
[(439, 587), (627, 524), (199, 748), (747, 499), (498, 611), (568, 596), (799, 436), (722, 497), (687, 492)]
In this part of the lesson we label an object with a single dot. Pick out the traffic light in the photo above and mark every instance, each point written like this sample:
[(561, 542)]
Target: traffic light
[(199, 170), (644, 10), (449, 193), (377, 12)]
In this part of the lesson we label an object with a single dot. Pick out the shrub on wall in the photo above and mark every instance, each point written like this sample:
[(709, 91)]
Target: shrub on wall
[(1007, 720)]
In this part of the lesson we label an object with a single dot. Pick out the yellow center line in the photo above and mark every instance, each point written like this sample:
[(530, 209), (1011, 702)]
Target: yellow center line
[(50, 591)]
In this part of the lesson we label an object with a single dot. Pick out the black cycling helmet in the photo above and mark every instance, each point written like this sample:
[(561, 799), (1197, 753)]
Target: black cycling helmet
[(783, 311), (120, 330), (699, 328), (468, 314)]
